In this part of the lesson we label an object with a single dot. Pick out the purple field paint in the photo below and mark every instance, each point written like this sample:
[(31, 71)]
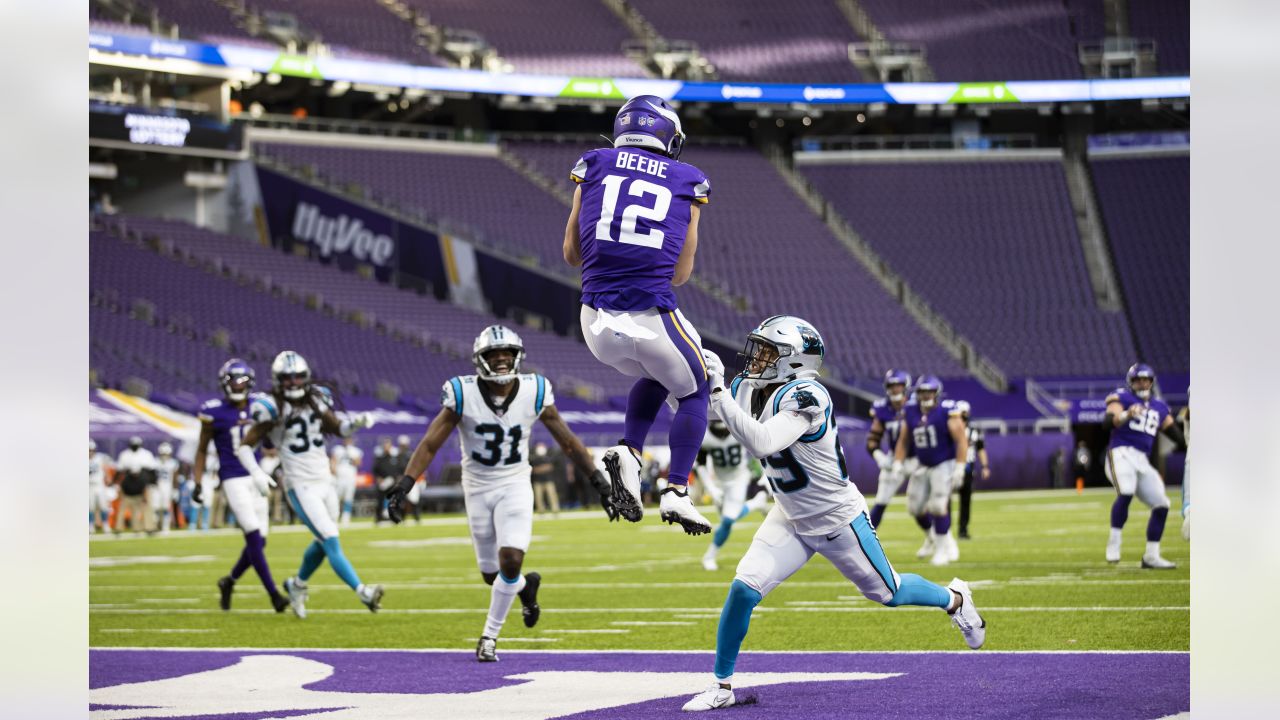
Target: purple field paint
[(337, 685)]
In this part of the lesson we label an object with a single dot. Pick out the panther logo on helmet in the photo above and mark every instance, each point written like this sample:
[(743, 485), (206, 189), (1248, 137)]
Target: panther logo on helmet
[(781, 349)]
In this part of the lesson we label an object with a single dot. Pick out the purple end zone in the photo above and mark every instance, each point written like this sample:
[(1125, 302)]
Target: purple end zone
[(930, 685)]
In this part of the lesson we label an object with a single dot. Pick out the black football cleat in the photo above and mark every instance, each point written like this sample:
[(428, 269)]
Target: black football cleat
[(225, 587), (487, 650), (529, 599)]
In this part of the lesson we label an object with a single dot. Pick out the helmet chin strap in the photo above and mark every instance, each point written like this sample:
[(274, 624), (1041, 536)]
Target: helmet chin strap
[(502, 379)]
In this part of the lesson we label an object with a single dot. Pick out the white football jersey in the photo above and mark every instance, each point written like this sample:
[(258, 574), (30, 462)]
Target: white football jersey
[(166, 471), (727, 459), (495, 439), (347, 459), (98, 463), (810, 479), (298, 436)]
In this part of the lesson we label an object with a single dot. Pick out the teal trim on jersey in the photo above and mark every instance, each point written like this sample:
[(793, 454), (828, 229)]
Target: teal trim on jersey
[(457, 395), (777, 402), (817, 434), (733, 386), (509, 581), (267, 403), (542, 391), (870, 545)]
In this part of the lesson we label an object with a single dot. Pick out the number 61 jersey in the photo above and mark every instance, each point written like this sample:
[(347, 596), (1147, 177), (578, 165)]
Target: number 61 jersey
[(810, 479), (495, 438)]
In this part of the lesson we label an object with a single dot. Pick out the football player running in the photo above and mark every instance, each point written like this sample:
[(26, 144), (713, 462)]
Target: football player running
[(781, 414), (99, 505), (496, 409), (633, 230), (729, 480), (1135, 415), (935, 429), (167, 467), (295, 417), (224, 421), (886, 418)]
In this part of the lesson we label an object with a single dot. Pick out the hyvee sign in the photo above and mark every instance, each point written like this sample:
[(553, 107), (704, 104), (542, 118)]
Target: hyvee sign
[(341, 234)]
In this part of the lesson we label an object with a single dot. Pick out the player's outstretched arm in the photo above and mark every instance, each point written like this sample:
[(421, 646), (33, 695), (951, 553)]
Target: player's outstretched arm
[(572, 247), (573, 448), (245, 454), (433, 439), (874, 435), (684, 264), (960, 435), (760, 439), (197, 465)]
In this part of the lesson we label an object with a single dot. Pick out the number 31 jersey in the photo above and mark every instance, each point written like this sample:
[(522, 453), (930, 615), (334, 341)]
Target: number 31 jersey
[(495, 438), (297, 435), (810, 479), (632, 224)]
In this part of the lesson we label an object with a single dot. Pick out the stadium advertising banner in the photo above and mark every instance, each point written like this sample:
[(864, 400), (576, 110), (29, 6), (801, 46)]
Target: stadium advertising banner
[(337, 230), (390, 74), (162, 128)]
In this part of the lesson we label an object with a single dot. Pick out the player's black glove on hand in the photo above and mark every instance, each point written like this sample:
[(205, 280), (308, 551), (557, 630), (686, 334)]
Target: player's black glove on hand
[(196, 494), (602, 486), (396, 497)]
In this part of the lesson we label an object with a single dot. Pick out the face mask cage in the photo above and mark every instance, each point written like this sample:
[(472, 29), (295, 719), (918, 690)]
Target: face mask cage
[(758, 348), (292, 389), (488, 373)]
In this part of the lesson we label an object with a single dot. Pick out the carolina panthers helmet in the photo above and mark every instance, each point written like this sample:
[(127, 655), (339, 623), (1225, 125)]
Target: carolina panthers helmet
[(164, 449), (1137, 371), (497, 337), (782, 348), (719, 428), (928, 389), (93, 446), (291, 375), (648, 121), (897, 377), (236, 379)]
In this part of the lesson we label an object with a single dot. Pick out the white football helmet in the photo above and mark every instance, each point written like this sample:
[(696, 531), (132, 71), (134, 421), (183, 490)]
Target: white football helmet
[(291, 375), (164, 449), (497, 337), (781, 349)]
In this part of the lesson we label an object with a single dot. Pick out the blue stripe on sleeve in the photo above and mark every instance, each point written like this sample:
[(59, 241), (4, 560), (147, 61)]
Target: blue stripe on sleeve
[(542, 391), (457, 395)]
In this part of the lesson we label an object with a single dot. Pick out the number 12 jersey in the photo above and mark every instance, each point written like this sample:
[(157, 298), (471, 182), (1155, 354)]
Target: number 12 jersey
[(495, 438)]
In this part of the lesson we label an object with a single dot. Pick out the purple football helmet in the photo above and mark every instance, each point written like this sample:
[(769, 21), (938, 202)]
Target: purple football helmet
[(1140, 370), (648, 121), (897, 377), (236, 379), (933, 386)]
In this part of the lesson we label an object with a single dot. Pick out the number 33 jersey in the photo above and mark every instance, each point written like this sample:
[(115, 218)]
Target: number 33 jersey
[(810, 479), (632, 225), (297, 435), (495, 438)]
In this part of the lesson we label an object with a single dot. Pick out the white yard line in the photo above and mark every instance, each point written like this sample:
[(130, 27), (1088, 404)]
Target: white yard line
[(674, 612), (620, 651), (160, 630)]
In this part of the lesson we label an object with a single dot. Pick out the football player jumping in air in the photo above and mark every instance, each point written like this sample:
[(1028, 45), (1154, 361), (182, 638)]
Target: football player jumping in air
[(886, 418), (496, 409), (934, 427), (225, 421), (1135, 416), (728, 477), (633, 230), (782, 415), (296, 416)]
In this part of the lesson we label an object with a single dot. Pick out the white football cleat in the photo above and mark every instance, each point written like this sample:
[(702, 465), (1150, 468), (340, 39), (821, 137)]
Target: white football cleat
[(675, 507), (930, 540), (709, 559), (487, 650), (371, 596), (953, 548), (713, 698), (297, 592), (623, 468), (1113, 551), (966, 617), (1186, 525), (1153, 561)]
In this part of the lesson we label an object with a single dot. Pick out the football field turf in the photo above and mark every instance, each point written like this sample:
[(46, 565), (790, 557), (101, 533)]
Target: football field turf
[(1035, 564)]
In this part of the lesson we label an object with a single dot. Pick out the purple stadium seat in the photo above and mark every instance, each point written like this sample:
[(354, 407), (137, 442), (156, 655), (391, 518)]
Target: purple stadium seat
[(1168, 22)]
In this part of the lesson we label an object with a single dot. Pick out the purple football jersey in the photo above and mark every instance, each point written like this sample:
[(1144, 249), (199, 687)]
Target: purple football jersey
[(230, 423), (929, 433), (1140, 431), (891, 419), (635, 211)]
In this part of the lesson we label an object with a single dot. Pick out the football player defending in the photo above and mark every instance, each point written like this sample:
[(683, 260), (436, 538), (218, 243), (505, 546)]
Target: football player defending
[(1135, 416), (886, 418), (634, 232), (496, 409), (224, 421), (936, 431), (781, 414), (296, 416), (729, 480)]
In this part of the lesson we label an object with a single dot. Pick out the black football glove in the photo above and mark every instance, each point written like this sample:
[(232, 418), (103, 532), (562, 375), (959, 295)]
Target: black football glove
[(197, 493), (396, 497), (603, 486)]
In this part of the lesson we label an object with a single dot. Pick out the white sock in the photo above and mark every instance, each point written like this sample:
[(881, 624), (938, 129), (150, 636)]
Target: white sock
[(1115, 535), (500, 599), (1153, 548), (724, 681), (712, 550)]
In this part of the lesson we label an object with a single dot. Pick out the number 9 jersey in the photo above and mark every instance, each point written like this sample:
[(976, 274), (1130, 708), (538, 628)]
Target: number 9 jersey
[(810, 479), (296, 433), (495, 438), (632, 225)]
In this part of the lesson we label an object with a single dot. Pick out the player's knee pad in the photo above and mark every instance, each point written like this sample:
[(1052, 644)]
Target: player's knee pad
[(743, 596), (937, 505)]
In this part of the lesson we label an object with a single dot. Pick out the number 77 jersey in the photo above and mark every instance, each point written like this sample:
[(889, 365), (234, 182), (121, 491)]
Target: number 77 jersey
[(495, 438), (632, 223)]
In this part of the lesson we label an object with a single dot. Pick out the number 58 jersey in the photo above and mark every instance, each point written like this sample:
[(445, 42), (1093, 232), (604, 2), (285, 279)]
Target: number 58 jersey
[(632, 224), (495, 438), (810, 479)]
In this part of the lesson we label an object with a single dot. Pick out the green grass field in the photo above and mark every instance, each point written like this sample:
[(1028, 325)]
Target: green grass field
[(1035, 563)]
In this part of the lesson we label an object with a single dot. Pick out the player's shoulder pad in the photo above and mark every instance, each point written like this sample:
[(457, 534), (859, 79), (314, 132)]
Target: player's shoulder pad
[(451, 395), (579, 172), (880, 403), (204, 414), (542, 391), (324, 395), (954, 408), (263, 408), (1117, 395), (804, 396)]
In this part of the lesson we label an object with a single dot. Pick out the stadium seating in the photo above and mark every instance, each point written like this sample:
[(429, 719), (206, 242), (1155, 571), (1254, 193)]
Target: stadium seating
[(254, 296), (976, 40), (1145, 204), (804, 41), (355, 28), (1168, 22), (993, 246), (584, 37)]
